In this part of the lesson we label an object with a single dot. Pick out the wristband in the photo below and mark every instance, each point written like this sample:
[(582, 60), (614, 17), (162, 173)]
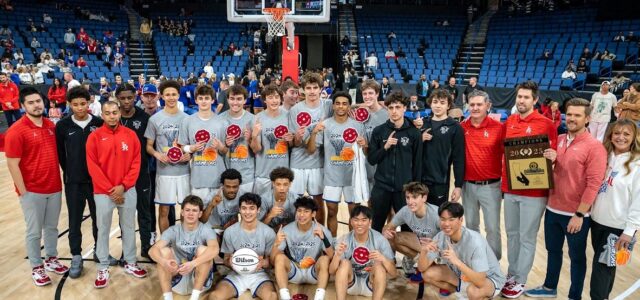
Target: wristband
[(326, 242), (186, 149)]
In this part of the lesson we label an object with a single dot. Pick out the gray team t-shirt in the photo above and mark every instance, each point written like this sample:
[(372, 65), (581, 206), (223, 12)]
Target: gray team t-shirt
[(375, 119), (375, 242), (287, 216), (300, 159), (185, 243), (338, 155), (275, 152), (225, 213), (208, 164), (240, 156), (303, 247), (474, 251), (425, 227), (163, 128), (260, 240)]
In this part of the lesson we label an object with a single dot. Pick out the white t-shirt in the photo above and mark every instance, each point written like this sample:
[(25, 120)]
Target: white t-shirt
[(602, 105), (372, 61), (208, 70), (73, 83)]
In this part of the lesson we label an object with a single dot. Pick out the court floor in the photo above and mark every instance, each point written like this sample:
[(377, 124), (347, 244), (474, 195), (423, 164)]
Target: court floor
[(15, 281)]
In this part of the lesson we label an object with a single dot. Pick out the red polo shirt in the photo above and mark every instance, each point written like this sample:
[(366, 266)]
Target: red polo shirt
[(36, 148), (533, 124), (483, 149)]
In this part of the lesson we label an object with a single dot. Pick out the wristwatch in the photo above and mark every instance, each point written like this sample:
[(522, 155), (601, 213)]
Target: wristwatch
[(579, 214)]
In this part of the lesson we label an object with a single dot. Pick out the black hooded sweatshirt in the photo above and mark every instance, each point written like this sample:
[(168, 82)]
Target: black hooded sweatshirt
[(400, 164), (71, 141), (446, 147)]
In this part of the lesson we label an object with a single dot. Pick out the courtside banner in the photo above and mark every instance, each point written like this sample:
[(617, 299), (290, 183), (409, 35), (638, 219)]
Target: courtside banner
[(527, 169)]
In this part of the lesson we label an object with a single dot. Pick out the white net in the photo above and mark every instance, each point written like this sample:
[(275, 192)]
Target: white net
[(275, 25)]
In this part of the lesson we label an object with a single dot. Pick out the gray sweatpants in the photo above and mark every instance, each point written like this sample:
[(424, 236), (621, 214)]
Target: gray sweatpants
[(41, 213), (522, 217), (127, 216), (489, 199)]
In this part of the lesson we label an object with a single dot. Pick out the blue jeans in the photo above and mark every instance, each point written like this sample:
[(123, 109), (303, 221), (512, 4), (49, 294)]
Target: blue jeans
[(12, 116), (555, 231)]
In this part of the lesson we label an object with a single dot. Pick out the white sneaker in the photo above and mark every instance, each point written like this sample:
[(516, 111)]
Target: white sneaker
[(102, 279)]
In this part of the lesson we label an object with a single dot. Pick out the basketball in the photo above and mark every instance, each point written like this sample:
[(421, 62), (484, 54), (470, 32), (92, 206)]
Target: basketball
[(245, 261)]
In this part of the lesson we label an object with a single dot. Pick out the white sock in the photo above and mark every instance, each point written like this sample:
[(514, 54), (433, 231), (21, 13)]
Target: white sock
[(284, 294), (167, 296), (319, 294), (195, 294)]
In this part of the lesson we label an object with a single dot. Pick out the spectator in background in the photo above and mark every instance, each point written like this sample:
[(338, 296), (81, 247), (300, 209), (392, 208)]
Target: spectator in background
[(9, 95), (602, 103), (5, 32), (414, 104), (422, 88), (372, 61), (44, 54), (390, 54), (571, 65), (69, 38), (145, 30), (18, 54), (630, 37), (25, 76), (92, 47), (36, 74), (237, 52), (618, 81), (353, 85), (568, 74), (208, 69), (547, 55), (81, 46), (57, 94), (81, 63), (453, 90), (606, 55), (619, 37), (586, 54), (35, 44), (385, 89), (473, 85), (82, 35), (582, 67), (46, 18), (43, 28), (70, 81), (400, 53), (629, 106), (554, 114)]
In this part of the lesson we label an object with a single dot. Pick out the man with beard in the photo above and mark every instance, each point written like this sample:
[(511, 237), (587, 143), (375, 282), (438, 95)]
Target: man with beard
[(32, 161), (136, 119), (9, 95)]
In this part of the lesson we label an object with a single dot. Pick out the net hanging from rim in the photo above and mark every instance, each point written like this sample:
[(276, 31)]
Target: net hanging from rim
[(275, 20)]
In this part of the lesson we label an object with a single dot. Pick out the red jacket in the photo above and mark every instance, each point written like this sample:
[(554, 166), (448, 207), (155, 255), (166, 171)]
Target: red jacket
[(57, 95), (9, 93), (113, 158), (556, 119)]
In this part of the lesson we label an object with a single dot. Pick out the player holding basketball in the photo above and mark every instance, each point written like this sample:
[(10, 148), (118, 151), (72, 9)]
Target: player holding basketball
[(421, 217), (253, 234), (172, 176), (337, 134), (459, 258), (363, 260), (278, 203), (185, 253), (113, 159), (240, 156), (302, 251), (32, 161), (270, 139), (203, 136), (222, 211), (303, 117)]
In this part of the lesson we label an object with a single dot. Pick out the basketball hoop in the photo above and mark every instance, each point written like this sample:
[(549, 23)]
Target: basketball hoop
[(275, 20)]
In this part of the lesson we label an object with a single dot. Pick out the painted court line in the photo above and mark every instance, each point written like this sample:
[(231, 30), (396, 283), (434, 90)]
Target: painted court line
[(629, 291), (90, 252)]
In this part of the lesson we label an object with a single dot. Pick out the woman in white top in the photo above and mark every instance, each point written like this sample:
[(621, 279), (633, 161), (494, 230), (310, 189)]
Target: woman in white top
[(25, 76), (568, 74), (617, 207)]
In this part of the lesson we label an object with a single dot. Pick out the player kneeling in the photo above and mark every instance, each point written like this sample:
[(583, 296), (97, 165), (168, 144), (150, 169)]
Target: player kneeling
[(302, 250), (363, 260), (462, 257), (184, 248)]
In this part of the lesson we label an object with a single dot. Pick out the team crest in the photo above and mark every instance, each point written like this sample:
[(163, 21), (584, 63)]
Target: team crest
[(528, 130), (444, 129), (92, 128), (404, 141), (125, 147), (486, 134), (137, 124)]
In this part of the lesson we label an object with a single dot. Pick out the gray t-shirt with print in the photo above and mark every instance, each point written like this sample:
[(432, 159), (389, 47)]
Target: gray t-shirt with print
[(240, 156), (375, 119), (425, 227), (208, 164), (303, 247), (275, 152), (287, 216), (260, 240), (185, 243), (300, 159), (337, 139), (164, 128), (375, 242)]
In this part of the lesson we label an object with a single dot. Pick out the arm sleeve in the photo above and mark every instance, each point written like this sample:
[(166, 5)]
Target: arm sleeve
[(62, 157), (169, 235), (633, 218), (595, 172), (13, 144), (150, 132), (399, 217), (227, 244), (479, 260), (458, 157), (270, 238), (131, 177)]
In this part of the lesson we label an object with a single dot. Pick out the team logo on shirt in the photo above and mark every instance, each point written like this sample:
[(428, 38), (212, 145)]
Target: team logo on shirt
[(607, 183), (528, 131), (404, 141), (136, 124), (486, 134), (278, 148), (208, 156), (341, 143), (444, 129), (92, 128), (125, 147)]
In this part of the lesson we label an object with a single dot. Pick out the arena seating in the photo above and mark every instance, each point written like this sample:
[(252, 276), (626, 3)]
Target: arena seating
[(514, 46), (212, 31), (17, 21), (410, 27)]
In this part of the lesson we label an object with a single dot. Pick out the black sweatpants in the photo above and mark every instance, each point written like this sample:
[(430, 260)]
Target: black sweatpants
[(438, 194), (381, 203), (143, 191), (602, 276), (77, 195)]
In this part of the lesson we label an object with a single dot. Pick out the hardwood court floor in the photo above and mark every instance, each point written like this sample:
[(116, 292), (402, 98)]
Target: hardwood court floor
[(15, 281)]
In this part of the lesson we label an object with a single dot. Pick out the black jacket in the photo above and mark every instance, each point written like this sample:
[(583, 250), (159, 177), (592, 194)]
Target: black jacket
[(446, 147), (71, 141), (400, 164), (138, 123)]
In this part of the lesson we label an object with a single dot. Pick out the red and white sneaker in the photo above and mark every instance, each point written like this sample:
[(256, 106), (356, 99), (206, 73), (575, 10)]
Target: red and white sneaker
[(135, 270), (40, 278), (512, 291), (102, 280), (52, 264)]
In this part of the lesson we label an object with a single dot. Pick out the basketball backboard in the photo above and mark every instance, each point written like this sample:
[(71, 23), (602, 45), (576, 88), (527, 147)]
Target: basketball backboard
[(302, 11)]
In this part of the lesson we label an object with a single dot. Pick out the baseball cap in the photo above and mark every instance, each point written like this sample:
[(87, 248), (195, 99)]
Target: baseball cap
[(605, 82), (149, 89)]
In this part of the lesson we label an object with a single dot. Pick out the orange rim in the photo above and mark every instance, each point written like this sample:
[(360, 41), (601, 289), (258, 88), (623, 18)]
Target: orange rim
[(276, 12)]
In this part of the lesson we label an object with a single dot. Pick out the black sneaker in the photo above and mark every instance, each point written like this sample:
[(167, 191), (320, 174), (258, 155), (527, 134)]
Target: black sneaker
[(144, 252)]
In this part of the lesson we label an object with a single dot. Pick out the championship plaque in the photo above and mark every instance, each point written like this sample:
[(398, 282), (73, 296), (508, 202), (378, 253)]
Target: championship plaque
[(527, 169)]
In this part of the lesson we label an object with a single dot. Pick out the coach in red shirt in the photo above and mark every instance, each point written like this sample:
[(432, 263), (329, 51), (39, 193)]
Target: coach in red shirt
[(32, 160), (483, 168), (113, 160), (579, 168), (9, 94), (523, 209)]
